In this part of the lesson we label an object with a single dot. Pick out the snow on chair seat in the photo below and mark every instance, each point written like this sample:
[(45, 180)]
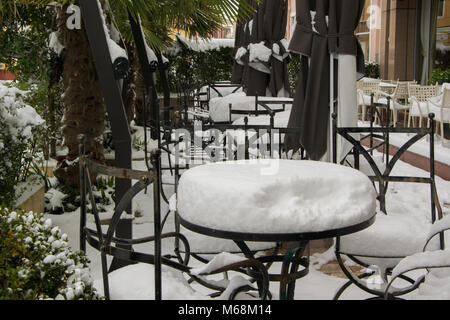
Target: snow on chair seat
[(430, 258), (387, 241)]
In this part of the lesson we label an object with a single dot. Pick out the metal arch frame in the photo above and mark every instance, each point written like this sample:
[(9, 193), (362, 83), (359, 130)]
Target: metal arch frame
[(383, 178)]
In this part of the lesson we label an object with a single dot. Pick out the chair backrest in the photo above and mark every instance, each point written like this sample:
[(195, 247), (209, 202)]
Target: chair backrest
[(114, 244), (402, 92), (369, 87), (224, 142), (423, 93), (446, 98), (383, 176)]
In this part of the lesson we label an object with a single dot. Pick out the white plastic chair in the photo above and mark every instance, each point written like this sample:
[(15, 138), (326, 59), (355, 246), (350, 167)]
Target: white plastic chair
[(440, 106), (400, 100), (365, 89), (418, 96)]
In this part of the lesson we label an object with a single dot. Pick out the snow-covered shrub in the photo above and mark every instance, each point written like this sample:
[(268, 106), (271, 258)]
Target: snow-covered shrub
[(18, 123), (36, 261)]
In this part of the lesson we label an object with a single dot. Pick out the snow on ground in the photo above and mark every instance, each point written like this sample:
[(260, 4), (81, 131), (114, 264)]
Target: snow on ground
[(136, 282)]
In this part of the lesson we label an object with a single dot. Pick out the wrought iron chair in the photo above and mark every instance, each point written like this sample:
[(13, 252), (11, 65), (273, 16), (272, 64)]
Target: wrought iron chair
[(231, 142), (110, 245), (383, 244), (428, 260), (263, 106)]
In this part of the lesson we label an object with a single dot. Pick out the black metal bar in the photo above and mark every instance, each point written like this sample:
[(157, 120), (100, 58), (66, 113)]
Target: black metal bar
[(156, 162), (81, 146), (113, 101)]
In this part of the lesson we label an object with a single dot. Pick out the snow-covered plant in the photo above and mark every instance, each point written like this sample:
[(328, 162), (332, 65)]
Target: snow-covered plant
[(36, 261), (18, 122)]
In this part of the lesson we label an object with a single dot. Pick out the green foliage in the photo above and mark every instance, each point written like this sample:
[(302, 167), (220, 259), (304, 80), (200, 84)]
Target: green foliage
[(192, 67), (36, 261), (442, 59), (372, 70), (439, 76), (198, 68), (19, 126), (24, 49)]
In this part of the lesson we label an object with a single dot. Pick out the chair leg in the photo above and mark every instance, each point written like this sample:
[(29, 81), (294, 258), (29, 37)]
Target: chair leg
[(394, 117)]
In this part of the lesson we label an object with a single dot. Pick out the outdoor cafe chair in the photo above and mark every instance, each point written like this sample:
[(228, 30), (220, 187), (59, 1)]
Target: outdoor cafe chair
[(419, 95), (400, 100), (123, 249), (440, 106), (394, 235), (365, 90), (262, 106), (433, 261)]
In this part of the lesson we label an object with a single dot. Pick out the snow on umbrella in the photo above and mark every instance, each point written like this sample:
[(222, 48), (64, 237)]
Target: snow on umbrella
[(323, 27), (275, 23)]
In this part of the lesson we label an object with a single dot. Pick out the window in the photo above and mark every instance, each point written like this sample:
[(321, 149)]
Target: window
[(441, 9)]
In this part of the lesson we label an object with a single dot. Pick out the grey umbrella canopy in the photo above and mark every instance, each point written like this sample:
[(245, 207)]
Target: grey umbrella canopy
[(275, 29), (315, 39)]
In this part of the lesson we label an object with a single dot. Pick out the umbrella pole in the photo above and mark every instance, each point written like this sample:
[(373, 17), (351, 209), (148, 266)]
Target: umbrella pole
[(331, 110)]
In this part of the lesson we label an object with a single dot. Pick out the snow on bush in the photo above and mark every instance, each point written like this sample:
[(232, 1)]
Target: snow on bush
[(36, 261), (17, 123)]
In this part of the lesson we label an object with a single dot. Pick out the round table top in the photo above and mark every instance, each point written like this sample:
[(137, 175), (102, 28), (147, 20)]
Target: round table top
[(275, 200)]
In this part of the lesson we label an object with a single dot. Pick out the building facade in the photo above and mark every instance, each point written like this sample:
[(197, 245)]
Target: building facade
[(402, 36)]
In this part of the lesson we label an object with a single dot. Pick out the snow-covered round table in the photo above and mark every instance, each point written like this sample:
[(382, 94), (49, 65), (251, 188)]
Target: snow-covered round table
[(276, 200)]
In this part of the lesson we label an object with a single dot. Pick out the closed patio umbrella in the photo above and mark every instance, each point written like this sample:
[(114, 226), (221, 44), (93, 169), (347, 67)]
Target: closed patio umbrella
[(323, 27), (350, 64), (240, 52), (258, 72), (275, 23)]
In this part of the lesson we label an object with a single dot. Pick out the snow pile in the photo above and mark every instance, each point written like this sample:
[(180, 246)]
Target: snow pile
[(136, 282), (259, 52), (219, 261), (291, 196), (116, 51), (54, 43), (202, 45)]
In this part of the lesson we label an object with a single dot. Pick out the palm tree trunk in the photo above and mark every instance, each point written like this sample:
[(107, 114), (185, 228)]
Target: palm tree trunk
[(84, 109)]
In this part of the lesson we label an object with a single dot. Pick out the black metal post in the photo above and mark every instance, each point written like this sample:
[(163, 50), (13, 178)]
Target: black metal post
[(156, 163), (81, 146)]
